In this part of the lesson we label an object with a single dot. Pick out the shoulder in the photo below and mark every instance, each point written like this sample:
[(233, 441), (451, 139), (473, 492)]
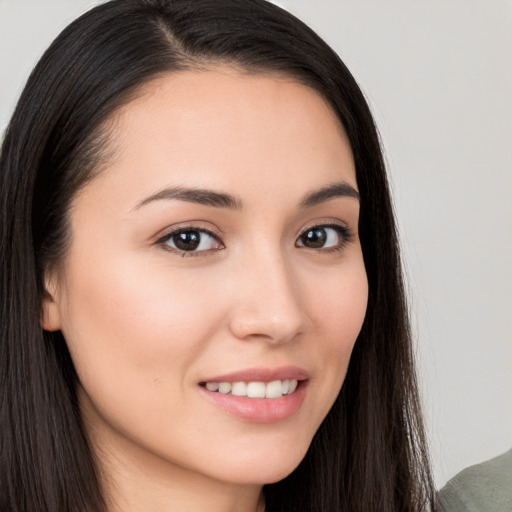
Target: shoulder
[(486, 487)]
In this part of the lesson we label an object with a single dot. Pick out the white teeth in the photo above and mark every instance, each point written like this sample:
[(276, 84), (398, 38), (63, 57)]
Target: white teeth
[(256, 390), (224, 387), (239, 389), (274, 389)]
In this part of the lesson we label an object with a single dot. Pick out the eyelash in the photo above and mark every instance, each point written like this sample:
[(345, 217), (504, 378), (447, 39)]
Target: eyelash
[(186, 229), (344, 232)]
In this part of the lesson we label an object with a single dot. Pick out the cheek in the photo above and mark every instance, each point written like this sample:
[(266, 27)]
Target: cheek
[(338, 314), (133, 333), (135, 308), (339, 306)]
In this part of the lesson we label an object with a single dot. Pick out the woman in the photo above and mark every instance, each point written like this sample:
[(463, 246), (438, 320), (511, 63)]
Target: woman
[(202, 299)]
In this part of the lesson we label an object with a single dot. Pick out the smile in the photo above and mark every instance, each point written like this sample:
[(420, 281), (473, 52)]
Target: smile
[(274, 389), (258, 395)]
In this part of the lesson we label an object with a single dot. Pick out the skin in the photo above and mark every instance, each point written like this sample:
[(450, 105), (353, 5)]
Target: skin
[(145, 325)]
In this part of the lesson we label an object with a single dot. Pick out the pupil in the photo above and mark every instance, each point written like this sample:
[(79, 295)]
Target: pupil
[(315, 238), (187, 241)]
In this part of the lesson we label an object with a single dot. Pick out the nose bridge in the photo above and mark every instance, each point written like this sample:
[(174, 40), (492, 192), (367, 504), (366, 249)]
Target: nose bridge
[(269, 302)]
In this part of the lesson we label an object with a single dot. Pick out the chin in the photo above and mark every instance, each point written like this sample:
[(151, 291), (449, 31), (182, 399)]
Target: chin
[(261, 470)]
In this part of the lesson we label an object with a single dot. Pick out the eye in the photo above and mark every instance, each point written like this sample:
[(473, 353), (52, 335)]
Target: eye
[(191, 240), (333, 237)]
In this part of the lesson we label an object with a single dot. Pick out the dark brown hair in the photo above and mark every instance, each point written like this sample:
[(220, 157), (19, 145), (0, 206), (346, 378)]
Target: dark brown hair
[(369, 455)]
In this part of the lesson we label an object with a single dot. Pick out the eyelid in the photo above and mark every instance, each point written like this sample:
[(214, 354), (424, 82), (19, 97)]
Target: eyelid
[(161, 239), (202, 226), (324, 223), (328, 223), (346, 233)]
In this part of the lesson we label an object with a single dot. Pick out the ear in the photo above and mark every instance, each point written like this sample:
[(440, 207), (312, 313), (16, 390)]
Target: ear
[(50, 320)]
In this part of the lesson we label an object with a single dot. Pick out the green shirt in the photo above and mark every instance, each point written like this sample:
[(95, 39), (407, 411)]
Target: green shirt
[(486, 487)]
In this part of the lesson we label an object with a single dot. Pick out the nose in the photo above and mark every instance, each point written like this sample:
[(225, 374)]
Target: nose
[(267, 304)]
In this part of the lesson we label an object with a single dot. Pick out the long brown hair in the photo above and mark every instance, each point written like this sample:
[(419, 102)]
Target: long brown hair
[(369, 455)]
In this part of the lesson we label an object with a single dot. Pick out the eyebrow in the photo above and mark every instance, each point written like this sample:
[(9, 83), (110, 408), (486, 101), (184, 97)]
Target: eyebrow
[(341, 189), (195, 195), (222, 200)]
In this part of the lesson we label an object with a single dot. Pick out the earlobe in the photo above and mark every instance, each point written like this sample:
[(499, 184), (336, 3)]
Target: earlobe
[(50, 320)]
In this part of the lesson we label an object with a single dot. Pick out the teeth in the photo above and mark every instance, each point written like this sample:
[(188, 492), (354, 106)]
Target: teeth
[(274, 389), (256, 390), (239, 389), (224, 387)]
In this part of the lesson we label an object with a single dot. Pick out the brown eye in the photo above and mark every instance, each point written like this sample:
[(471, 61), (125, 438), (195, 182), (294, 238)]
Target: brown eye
[(314, 238), (324, 237), (191, 240)]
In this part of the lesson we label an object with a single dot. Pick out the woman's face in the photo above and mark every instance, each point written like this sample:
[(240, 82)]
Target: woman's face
[(219, 246)]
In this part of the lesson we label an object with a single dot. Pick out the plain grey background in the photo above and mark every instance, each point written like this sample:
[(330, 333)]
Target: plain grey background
[(438, 76)]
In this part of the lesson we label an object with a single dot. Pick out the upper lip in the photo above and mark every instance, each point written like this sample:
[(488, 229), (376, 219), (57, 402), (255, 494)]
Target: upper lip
[(262, 374)]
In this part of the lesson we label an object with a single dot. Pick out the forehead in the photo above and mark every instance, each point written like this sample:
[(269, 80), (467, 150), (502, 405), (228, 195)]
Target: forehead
[(224, 128)]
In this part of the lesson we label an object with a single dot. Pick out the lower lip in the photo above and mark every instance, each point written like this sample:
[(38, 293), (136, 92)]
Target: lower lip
[(259, 410)]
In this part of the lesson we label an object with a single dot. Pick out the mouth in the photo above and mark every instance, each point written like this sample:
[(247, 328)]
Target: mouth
[(258, 395), (254, 389)]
